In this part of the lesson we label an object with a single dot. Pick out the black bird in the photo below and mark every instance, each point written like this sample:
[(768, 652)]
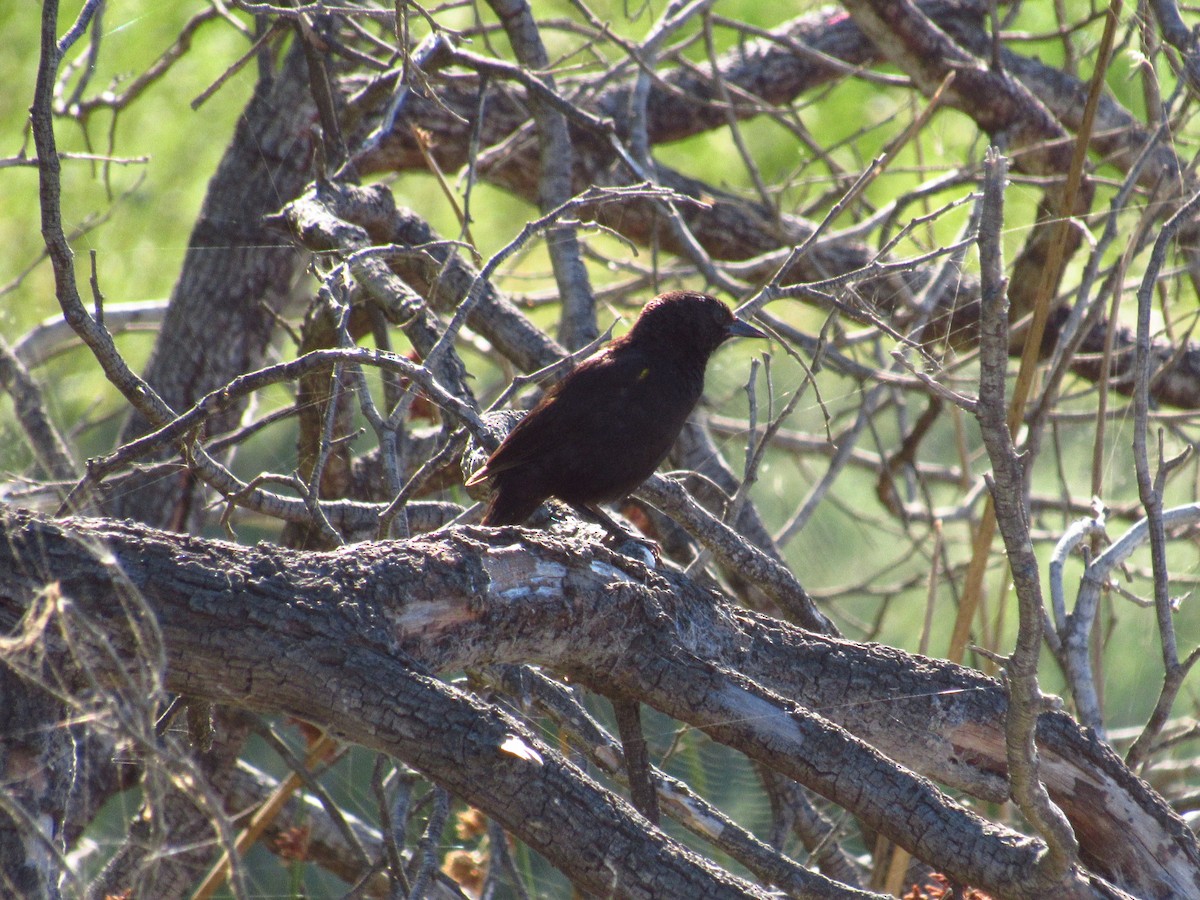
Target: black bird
[(600, 432)]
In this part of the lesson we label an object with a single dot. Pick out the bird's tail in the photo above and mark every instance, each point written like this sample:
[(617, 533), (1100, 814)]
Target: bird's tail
[(509, 507)]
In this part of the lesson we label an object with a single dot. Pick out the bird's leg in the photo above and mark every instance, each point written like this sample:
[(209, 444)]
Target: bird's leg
[(612, 526), (618, 534)]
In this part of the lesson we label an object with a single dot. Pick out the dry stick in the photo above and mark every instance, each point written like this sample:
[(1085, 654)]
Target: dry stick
[(577, 320), (677, 799), (849, 439), (424, 859), (551, 372), (38, 841), (389, 824), (385, 436), (592, 196), (53, 336), (427, 54), (639, 158), (637, 758), (540, 88), (91, 9), (1096, 576), (349, 515), (801, 50), (277, 27), (1073, 632), (749, 469), (731, 120), (982, 545), (136, 391), (755, 451), (177, 428), (772, 290), (460, 213), (816, 290), (386, 431), (329, 221), (500, 862), (1070, 639), (800, 443), (1176, 33), (845, 443), (1025, 700), (318, 791), (890, 867), (93, 333), (262, 818), (1110, 332), (312, 488), (450, 450), (98, 340), (135, 87), (735, 553), (1086, 313), (473, 145), (149, 648), (931, 590), (44, 439), (1150, 491)]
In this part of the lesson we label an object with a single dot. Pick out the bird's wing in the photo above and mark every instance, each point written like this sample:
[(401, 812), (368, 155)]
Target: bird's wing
[(567, 409)]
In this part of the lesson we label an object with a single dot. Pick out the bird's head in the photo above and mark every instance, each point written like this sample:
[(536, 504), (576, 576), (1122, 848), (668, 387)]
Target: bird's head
[(690, 320)]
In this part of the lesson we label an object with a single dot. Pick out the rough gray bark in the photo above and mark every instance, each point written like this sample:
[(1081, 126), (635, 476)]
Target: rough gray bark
[(375, 616)]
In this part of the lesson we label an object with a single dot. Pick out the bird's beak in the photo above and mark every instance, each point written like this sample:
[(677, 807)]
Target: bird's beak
[(744, 329)]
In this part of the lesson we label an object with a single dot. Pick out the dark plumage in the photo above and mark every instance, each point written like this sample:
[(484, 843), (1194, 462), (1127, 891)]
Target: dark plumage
[(603, 429)]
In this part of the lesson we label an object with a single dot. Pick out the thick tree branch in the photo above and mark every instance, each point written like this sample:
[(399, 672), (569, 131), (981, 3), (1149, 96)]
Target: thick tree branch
[(476, 597)]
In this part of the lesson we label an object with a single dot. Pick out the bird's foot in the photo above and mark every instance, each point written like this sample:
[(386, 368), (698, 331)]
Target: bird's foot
[(642, 549), (621, 539)]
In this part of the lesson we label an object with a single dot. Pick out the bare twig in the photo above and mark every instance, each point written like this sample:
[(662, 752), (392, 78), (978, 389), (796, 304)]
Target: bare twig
[(1150, 488), (1025, 700)]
